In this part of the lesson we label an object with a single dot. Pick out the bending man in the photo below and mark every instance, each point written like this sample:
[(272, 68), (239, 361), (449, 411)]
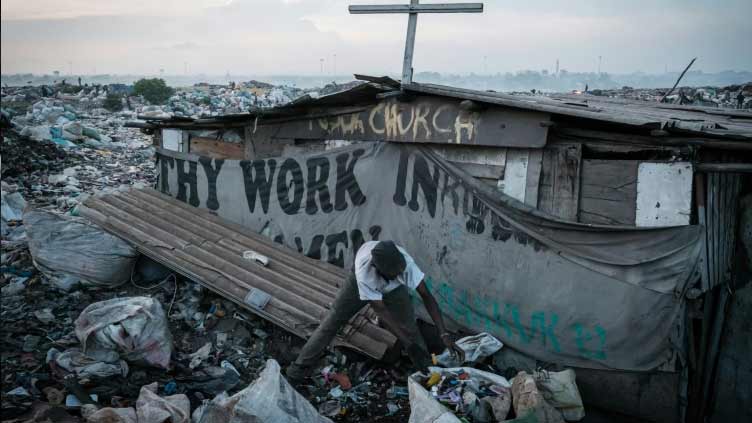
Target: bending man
[(382, 276)]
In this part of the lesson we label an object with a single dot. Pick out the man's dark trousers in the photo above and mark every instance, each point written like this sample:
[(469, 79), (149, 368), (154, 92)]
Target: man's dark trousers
[(345, 306)]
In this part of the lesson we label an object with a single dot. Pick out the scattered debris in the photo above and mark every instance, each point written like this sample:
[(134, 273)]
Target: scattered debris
[(730, 97)]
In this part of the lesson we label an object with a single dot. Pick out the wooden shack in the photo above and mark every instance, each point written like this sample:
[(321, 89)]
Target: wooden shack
[(580, 158)]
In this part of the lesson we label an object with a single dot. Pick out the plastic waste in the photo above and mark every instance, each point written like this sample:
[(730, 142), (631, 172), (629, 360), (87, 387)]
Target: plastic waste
[(269, 399), (69, 251), (424, 408), (476, 348), (96, 364), (135, 327), (212, 380), (11, 208), (90, 132), (37, 133), (560, 390), (108, 415), (73, 131), (150, 408), (200, 355), (13, 205), (527, 399)]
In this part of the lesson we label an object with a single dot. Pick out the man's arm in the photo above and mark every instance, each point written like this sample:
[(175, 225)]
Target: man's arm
[(432, 307)]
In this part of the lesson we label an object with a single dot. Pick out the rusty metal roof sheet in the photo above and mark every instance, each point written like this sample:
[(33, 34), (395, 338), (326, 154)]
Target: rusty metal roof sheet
[(209, 250), (704, 121)]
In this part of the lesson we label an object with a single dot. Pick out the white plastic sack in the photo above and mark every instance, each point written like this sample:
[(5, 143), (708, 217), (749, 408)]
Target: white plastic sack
[(269, 399), (423, 406), (476, 348), (11, 208), (527, 400), (136, 327), (560, 390), (70, 251)]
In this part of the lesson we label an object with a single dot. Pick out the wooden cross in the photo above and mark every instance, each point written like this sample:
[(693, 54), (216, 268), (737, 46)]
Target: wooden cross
[(413, 9)]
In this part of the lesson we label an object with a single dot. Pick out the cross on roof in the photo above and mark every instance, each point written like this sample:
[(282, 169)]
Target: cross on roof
[(413, 9)]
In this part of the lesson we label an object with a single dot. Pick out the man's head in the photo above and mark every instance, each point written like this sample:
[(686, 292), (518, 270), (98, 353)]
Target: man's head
[(388, 260)]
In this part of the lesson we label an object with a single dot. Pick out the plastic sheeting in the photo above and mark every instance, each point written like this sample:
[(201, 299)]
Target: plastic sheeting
[(580, 295)]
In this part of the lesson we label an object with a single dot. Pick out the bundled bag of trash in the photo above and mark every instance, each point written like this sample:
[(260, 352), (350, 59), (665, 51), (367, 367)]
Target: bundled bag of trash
[(476, 348), (70, 251), (269, 399), (446, 395), (528, 401), (560, 390), (12, 205), (135, 327)]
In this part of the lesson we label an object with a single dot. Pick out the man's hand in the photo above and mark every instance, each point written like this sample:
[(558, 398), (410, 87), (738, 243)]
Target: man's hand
[(433, 310), (446, 338)]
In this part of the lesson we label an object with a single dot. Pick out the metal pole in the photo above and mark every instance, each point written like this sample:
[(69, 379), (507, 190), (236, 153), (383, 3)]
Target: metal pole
[(407, 64), (677, 81)]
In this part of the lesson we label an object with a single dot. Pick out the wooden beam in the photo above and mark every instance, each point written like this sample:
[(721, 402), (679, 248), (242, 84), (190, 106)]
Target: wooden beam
[(724, 167), (416, 8), (580, 134)]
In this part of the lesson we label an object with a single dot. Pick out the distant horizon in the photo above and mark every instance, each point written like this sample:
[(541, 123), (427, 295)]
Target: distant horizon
[(395, 74), (522, 80), (311, 37)]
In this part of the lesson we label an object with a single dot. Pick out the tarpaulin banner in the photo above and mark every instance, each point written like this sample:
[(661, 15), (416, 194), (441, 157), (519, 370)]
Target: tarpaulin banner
[(579, 295)]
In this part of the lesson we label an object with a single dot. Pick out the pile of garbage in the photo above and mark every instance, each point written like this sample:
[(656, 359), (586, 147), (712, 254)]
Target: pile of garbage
[(469, 394), (203, 100), (730, 97), (69, 120), (58, 148)]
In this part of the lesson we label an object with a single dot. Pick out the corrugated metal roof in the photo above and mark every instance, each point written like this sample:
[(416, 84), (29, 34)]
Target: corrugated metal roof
[(682, 120), (209, 250), (653, 115)]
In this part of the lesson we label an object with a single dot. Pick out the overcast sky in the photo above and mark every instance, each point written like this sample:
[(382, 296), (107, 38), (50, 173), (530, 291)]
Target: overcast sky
[(264, 37)]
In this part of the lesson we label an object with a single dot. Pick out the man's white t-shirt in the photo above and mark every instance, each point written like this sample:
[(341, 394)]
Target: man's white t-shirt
[(371, 286)]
